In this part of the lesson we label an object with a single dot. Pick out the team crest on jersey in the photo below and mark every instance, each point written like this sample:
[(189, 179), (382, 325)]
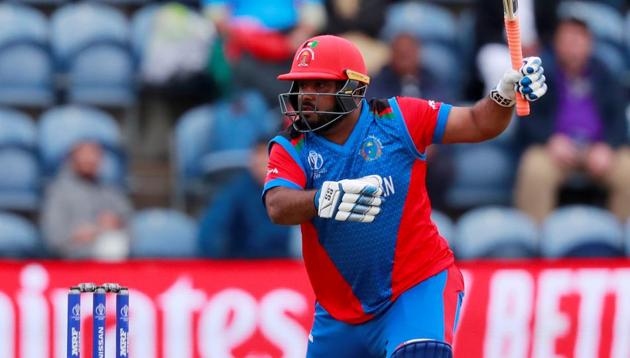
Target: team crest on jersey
[(316, 162), (371, 148), (306, 55)]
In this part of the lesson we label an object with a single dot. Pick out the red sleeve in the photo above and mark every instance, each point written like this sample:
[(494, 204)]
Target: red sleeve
[(284, 169), (425, 120)]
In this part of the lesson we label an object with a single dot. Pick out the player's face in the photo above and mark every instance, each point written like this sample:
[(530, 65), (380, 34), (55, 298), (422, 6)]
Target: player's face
[(309, 100), (573, 46)]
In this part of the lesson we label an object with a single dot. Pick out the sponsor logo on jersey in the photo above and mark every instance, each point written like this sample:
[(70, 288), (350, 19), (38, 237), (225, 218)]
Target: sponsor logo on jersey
[(432, 105), (371, 148)]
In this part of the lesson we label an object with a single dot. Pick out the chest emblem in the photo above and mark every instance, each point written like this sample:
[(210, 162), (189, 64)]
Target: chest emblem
[(371, 148)]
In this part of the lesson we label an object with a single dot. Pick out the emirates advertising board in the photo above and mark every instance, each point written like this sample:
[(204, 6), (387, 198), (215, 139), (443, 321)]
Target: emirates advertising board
[(259, 309)]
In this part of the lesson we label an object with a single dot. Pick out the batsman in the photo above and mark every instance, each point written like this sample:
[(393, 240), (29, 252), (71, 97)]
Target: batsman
[(352, 173)]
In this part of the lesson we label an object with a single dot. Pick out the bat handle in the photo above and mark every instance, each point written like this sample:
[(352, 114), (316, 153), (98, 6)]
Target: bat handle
[(513, 31)]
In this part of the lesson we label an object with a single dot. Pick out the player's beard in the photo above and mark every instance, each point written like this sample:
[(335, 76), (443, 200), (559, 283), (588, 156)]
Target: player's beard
[(317, 120)]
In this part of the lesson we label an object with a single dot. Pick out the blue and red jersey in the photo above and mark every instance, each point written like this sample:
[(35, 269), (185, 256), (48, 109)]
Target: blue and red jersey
[(356, 269)]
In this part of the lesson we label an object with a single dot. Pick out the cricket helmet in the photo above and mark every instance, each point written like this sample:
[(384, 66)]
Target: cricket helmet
[(325, 57)]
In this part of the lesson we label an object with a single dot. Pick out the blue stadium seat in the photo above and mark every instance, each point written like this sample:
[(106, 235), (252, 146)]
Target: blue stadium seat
[(18, 237), (212, 142), (442, 61), (17, 130), (428, 22), (445, 225), (627, 237), (192, 141), (20, 180), (98, 22), (484, 175), (97, 59), (26, 70), (21, 23), (141, 29), (163, 233), (102, 75), (60, 128), (581, 231), (496, 232)]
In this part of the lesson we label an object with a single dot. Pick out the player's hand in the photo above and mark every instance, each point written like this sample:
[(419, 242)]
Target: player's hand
[(356, 200), (529, 81)]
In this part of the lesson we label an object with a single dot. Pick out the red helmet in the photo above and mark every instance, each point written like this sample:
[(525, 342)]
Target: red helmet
[(325, 57)]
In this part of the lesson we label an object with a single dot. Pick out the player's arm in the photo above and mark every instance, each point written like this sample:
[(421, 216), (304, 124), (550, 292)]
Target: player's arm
[(491, 115), (287, 206), (357, 200)]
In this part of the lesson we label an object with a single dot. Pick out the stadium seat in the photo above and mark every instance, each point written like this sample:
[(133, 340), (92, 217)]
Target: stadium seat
[(442, 61), (192, 141), (21, 23), (163, 233), (20, 180), (98, 23), (428, 22), (18, 237), (212, 142), (581, 231), (444, 224), (60, 128), (17, 130), (26, 70), (102, 75), (97, 59), (627, 238), (483, 176), (496, 232), (141, 29)]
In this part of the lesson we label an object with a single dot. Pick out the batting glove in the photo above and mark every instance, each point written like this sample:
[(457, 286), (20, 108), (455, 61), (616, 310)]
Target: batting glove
[(529, 81), (357, 200)]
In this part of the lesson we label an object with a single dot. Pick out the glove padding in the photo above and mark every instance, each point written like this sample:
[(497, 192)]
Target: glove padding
[(357, 200), (529, 81)]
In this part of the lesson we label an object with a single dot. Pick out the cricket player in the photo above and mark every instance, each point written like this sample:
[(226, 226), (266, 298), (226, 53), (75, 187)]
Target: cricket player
[(352, 173)]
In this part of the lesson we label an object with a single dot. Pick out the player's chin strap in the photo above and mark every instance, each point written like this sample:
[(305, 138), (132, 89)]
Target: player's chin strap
[(347, 99), (423, 348)]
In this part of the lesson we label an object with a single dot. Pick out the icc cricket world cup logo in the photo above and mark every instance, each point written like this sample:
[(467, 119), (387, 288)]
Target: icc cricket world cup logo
[(76, 313), (124, 313), (100, 311)]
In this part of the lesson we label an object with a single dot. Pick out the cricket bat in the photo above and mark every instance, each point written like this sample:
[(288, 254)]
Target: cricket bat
[(513, 31)]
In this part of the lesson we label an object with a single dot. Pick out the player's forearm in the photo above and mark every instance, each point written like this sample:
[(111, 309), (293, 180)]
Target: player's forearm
[(490, 119), (290, 207)]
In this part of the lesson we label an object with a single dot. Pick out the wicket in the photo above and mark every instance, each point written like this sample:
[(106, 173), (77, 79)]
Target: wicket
[(99, 293)]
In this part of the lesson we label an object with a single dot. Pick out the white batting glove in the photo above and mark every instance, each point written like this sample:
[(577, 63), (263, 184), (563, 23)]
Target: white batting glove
[(356, 200), (529, 81)]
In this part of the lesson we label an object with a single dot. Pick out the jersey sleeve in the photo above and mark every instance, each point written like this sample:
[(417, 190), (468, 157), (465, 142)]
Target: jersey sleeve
[(284, 167), (425, 120)]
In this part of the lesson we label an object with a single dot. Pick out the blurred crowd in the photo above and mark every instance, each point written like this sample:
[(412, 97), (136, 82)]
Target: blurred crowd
[(89, 88)]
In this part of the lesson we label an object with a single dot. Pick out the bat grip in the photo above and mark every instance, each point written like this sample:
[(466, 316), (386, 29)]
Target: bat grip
[(513, 31)]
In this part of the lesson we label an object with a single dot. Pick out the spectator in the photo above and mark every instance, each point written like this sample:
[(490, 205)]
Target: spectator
[(261, 37), (405, 76), (236, 225), (360, 21), (578, 127), (81, 217)]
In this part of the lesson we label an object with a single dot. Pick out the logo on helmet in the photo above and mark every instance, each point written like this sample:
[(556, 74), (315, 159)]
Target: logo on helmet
[(306, 55)]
